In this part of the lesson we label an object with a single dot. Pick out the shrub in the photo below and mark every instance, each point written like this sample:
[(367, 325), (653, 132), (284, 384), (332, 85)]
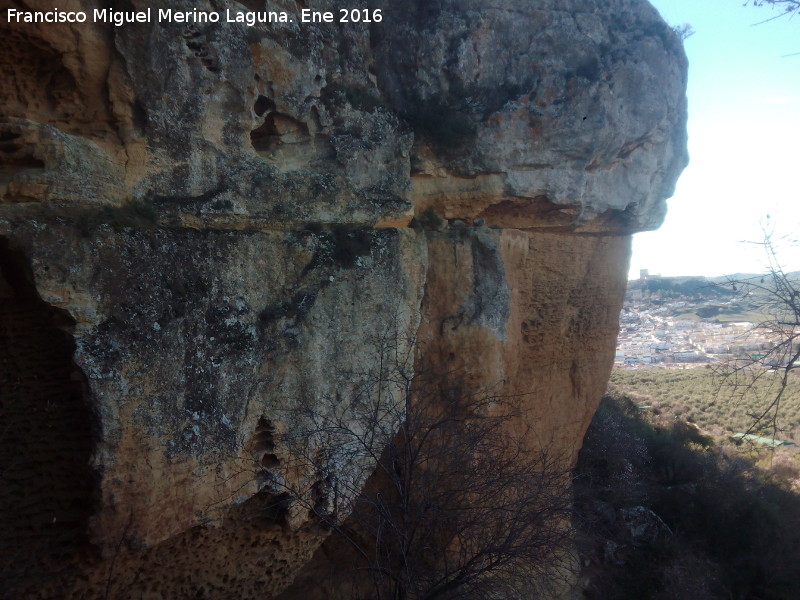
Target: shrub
[(457, 504), (734, 529)]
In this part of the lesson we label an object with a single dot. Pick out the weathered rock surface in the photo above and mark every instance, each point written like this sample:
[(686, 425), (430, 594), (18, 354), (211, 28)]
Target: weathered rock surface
[(205, 226)]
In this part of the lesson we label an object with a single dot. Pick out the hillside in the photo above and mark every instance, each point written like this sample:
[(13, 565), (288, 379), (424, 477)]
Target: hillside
[(665, 513), (677, 322), (704, 397)]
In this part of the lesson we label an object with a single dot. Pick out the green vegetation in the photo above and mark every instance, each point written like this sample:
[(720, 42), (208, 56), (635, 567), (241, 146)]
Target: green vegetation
[(733, 313), (694, 289), (702, 396), (664, 513)]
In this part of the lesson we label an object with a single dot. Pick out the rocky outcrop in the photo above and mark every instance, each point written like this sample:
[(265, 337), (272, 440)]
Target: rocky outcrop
[(206, 228)]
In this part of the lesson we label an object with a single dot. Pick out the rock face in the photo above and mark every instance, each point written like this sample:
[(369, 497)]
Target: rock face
[(205, 227)]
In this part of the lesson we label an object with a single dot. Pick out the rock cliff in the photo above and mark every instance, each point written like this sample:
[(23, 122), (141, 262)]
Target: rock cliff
[(205, 226)]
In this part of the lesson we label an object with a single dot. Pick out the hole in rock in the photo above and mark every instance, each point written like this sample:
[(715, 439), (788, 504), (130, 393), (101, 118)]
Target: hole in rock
[(46, 441), (276, 507), (14, 157), (265, 136), (39, 86), (263, 105), (279, 130), (270, 461), (262, 448), (264, 437), (320, 495)]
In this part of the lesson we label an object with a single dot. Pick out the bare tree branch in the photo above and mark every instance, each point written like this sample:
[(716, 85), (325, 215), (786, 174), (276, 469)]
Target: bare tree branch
[(459, 502), (785, 8), (776, 295)]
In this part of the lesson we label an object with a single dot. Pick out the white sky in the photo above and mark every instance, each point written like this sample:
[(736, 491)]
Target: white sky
[(744, 142)]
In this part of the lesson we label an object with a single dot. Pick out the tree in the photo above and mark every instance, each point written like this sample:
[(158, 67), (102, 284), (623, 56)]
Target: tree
[(460, 502), (776, 296), (787, 7), (684, 31)]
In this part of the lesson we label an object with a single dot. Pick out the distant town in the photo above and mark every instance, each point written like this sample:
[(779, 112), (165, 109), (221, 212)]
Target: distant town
[(686, 322)]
